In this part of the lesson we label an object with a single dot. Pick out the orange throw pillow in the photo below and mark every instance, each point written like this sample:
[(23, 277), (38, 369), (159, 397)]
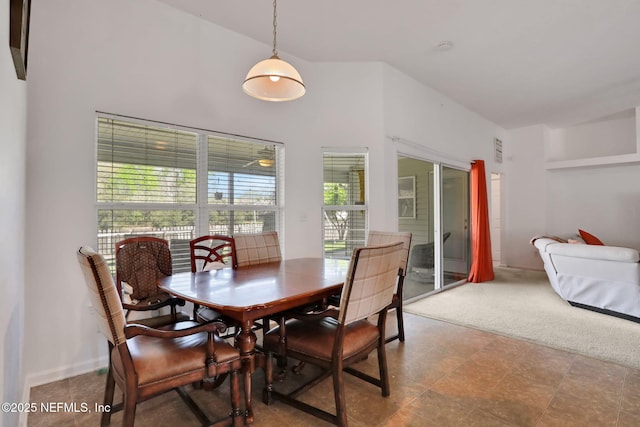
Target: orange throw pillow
[(590, 239)]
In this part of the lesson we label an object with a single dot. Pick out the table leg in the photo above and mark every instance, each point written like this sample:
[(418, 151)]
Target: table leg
[(246, 343)]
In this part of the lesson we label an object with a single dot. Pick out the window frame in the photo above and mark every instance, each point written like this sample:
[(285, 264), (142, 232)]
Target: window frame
[(202, 207), (364, 207)]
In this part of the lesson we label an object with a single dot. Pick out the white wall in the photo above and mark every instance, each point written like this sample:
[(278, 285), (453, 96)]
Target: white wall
[(525, 195), (605, 201), (421, 115), (146, 60), (611, 135), (13, 141)]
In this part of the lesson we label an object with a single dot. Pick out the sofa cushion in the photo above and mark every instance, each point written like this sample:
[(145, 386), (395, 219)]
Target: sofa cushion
[(606, 253), (589, 238)]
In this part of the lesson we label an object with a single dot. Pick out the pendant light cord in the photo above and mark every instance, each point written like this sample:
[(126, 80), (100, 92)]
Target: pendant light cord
[(275, 24)]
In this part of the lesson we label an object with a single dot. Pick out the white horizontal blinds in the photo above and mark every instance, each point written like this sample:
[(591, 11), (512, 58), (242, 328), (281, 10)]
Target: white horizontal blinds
[(243, 179), (146, 185), (344, 210), (149, 176), (138, 163)]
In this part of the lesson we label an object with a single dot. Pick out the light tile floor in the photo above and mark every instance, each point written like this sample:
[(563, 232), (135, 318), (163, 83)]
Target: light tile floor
[(443, 375)]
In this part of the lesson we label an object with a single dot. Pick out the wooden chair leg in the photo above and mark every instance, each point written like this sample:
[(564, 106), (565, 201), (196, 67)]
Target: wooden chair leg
[(400, 323), (268, 378), (298, 367), (109, 389), (129, 410), (338, 390), (382, 367), (281, 356)]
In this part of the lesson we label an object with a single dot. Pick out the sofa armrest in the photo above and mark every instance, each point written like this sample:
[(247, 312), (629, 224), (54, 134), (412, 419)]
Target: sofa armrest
[(541, 243), (595, 252)]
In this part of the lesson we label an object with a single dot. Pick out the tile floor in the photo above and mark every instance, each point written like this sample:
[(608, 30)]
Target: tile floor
[(443, 375)]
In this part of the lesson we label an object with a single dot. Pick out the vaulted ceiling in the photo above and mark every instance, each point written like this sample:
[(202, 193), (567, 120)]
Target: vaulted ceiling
[(515, 62)]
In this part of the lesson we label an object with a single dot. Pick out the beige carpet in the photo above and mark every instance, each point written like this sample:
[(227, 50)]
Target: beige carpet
[(522, 304)]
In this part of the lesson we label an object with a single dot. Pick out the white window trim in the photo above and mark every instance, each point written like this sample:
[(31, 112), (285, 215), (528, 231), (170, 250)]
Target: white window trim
[(364, 207), (200, 209)]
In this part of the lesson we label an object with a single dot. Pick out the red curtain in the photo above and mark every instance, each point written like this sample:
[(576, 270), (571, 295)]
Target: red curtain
[(482, 264)]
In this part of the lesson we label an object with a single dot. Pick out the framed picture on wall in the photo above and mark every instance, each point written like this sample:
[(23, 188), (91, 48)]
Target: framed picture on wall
[(407, 197), (19, 35)]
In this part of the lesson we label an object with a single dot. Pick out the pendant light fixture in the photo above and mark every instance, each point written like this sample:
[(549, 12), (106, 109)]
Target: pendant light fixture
[(274, 79)]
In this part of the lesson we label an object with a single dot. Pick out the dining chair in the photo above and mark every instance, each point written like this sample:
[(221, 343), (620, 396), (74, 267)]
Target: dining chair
[(376, 238), (335, 339), (257, 248), (254, 249), (145, 362), (212, 252), (140, 262)]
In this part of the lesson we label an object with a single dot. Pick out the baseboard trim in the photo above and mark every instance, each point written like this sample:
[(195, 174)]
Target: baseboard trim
[(605, 311), (64, 372), (57, 374)]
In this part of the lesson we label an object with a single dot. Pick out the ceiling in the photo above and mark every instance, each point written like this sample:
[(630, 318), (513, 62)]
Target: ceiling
[(515, 62)]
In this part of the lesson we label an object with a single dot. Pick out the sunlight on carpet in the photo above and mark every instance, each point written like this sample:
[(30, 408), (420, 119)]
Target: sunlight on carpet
[(522, 304)]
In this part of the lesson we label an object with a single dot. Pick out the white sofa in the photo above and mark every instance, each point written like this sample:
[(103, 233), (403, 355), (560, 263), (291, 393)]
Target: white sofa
[(601, 278)]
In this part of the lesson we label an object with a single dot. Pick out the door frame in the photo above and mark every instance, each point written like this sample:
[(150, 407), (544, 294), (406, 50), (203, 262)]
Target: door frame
[(439, 160)]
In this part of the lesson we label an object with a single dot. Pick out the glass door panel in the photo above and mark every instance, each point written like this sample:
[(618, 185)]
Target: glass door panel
[(455, 224), (433, 204), (416, 202)]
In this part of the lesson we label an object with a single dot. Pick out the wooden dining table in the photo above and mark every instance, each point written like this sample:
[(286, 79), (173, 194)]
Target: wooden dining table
[(246, 294)]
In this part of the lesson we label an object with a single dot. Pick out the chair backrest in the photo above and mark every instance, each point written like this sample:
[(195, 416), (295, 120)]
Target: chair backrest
[(257, 248), (141, 261), (104, 295), (377, 238), (370, 282), (212, 252)]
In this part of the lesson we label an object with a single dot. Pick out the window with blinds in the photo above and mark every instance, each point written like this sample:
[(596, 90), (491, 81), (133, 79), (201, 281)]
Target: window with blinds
[(178, 184), (242, 181), (345, 205)]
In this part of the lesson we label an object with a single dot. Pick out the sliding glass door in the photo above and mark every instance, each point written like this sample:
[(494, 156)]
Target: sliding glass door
[(455, 224), (433, 204)]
